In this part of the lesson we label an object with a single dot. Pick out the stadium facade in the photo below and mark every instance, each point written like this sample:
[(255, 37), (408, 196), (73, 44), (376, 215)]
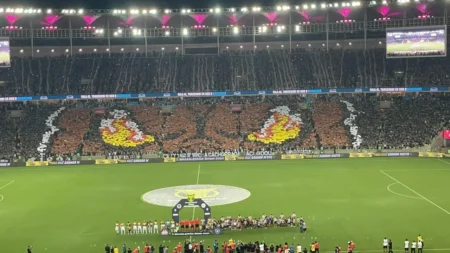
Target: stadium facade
[(46, 32)]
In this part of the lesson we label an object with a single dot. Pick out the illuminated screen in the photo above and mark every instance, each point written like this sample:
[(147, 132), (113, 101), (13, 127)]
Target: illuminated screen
[(416, 42), (5, 58)]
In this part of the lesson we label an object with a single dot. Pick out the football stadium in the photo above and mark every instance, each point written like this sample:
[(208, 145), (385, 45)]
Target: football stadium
[(317, 126)]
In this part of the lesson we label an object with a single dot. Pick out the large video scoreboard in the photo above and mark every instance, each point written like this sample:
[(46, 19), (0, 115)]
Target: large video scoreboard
[(416, 42), (5, 56)]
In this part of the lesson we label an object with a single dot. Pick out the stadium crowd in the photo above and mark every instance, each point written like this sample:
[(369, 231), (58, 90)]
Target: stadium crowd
[(234, 70), (221, 124)]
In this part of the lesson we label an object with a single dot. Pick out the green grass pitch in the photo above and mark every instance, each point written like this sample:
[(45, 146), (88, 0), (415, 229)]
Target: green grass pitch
[(411, 47), (73, 209)]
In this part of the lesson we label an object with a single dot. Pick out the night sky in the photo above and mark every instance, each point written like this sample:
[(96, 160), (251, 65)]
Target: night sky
[(125, 4)]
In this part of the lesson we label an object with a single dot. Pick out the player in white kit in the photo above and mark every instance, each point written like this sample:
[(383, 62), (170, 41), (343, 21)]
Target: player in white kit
[(150, 228), (139, 228), (145, 228), (385, 245), (122, 228), (413, 247), (155, 227), (406, 246), (135, 227), (117, 228)]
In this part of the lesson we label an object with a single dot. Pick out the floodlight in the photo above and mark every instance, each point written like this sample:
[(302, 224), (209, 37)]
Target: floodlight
[(244, 9), (305, 6), (153, 11), (256, 9), (53, 50), (235, 30), (241, 46), (297, 28), (313, 6), (95, 49), (167, 11), (214, 29), (21, 50), (232, 9), (121, 49), (80, 11), (37, 51), (137, 49), (49, 11), (279, 8), (67, 50), (185, 31), (323, 5), (217, 10), (80, 50), (167, 33), (297, 7)]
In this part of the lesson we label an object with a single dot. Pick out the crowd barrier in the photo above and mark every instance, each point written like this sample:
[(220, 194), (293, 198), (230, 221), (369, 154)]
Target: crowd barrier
[(226, 158)]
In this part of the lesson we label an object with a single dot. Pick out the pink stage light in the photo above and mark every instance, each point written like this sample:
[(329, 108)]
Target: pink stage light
[(11, 18), (305, 15), (346, 21), (384, 10), (199, 18), (50, 28), (271, 16), (128, 22), (89, 28), (345, 12), (165, 19), (233, 18), (422, 8), (51, 19), (89, 20)]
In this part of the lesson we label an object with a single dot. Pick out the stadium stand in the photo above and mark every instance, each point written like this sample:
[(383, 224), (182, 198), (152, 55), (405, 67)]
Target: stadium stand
[(274, 69)]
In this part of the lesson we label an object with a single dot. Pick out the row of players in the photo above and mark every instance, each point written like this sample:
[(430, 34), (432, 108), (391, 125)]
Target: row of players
[(409, 246), (223, 222), (142, 227)]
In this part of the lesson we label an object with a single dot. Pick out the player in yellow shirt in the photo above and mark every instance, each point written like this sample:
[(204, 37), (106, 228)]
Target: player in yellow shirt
[(420, 239)]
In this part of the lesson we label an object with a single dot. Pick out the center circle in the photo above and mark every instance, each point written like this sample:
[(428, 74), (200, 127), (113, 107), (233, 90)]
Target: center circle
[(213, 195)]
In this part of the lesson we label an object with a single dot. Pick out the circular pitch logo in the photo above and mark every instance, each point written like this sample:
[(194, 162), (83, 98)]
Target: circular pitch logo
[(214, 195)]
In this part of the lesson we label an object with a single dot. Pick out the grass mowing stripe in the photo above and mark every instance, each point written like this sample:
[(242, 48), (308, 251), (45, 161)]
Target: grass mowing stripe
[(418, 194)]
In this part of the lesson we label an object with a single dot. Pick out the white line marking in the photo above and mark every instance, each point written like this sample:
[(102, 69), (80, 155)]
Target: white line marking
[(1, 198), (193, 211), (379, 250), (418, 194), (444, 161), (399, 194), (10, 182)]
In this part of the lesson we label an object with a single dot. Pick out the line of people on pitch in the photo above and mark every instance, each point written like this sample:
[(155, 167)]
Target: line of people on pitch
[(143, 227), (408, 246)]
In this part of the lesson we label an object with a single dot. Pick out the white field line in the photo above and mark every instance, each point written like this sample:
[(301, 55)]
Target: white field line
[(10, 182), (193, 211), (418, 194), (444, 161), (402, 195), (399, 250)]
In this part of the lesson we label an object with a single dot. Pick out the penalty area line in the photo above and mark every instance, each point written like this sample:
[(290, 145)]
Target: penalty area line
[(10, 182), (418, 194)]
